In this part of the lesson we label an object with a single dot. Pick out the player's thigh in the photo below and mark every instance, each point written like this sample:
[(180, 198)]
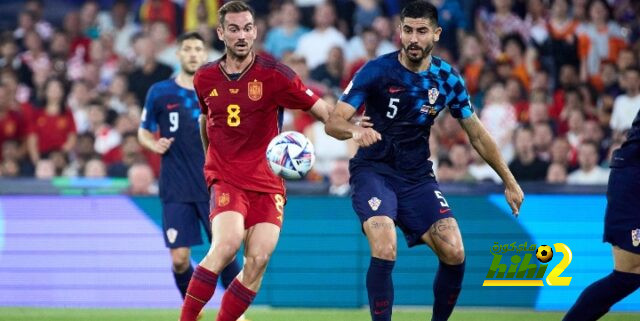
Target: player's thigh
[(180, 225), (381, 234), (625, 261), (265, 208), (372, 196), (622, 218), (420, 206), (446, 241), (260, 242)]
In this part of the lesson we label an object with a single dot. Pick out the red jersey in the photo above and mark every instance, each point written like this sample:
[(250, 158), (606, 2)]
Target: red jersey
[(242, 118), (52, 131), (12, 127)]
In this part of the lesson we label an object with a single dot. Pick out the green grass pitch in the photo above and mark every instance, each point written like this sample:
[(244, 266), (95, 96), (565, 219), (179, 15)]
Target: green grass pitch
[(264, 314)]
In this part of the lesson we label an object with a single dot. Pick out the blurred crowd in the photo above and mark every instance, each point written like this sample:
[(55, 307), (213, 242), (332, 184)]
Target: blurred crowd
[(556, 82)]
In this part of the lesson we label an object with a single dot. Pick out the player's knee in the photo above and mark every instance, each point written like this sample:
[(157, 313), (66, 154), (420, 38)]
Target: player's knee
[(385, 251), (180, 264), (226, 249), (257, 262), (454, 256)]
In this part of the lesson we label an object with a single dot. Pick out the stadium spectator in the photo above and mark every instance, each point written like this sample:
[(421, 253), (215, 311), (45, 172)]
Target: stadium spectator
[(526, 166), (589, 173), (542, 140), (119, 22), (556, 174), (627, 105), (481, 171), (285, 36), (148, 70), (45, 169), (131, 152), (499, 117), (315, 45), (141, 180), (331, 72), (460, 158), (42, 27), (492, 26), (52, 126), (339, 177), (95, 168), (453, 23)]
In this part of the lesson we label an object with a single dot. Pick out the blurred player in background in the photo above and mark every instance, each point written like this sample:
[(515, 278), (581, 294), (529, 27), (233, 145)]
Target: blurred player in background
[(621, 229), (172, 109), (392, 179), (240, 95)]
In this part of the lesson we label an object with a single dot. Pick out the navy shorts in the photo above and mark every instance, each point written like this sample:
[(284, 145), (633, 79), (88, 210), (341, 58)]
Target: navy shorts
[(622, 220), (414, 207), (181, 223)]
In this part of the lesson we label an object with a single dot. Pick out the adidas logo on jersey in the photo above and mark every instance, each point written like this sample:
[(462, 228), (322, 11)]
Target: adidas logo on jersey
[(214, 93)]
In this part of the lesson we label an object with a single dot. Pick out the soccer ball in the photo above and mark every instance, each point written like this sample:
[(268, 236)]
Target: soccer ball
[(544, 253), (290, 155)]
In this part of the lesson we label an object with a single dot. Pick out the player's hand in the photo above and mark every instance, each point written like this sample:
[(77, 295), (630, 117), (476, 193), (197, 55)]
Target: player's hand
[(163, 144), (514, 195), (362, 121), (365, 136)]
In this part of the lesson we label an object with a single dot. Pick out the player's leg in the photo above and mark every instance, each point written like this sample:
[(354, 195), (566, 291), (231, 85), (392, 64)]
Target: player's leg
[(375, 203), (425, 217), (622, 230), (227, 226), (263, 222), (180, 224), (232, 269), (596, 300)]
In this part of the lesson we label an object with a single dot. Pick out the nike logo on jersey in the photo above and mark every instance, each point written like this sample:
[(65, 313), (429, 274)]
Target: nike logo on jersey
[(395, 89), (173, 106), (444, 210), (213, 93)]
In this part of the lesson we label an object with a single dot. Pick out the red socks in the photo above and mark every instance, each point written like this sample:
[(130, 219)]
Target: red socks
[(235, 301), (201, 287)]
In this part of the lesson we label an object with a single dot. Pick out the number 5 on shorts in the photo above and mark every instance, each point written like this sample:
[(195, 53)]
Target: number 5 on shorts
[(443, 202)]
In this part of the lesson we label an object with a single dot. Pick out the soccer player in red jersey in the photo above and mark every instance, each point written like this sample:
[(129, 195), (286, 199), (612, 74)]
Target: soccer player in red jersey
[(241, 96)]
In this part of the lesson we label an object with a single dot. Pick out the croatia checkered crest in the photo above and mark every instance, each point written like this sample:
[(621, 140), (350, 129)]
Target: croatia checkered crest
[(290, 155)]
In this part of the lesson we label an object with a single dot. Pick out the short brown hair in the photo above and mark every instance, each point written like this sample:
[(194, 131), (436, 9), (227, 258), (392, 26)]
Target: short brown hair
[(233, 7)]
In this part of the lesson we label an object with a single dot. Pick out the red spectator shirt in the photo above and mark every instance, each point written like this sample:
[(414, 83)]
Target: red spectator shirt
[(52, 130), (243, 115), (12, 127)]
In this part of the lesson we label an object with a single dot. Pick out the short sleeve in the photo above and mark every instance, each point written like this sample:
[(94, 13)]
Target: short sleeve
[(458, 97), (196, 86), (295, 95), (148, 119), (356, 92)]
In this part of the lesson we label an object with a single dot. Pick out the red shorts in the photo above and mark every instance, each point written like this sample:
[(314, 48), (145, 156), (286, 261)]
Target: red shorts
[(256, 207)]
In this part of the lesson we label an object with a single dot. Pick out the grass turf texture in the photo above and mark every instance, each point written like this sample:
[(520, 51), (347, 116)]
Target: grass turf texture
[(263, 314)]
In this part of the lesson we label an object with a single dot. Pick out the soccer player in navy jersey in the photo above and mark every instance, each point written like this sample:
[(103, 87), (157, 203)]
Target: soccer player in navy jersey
[(392, 179), (621, 229), (172, 108)]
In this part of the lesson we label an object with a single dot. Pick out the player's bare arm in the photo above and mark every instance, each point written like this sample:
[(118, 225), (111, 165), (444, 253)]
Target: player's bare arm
[(340, 126), (147, 139), (202, 119), (320, 110), (485, 145)]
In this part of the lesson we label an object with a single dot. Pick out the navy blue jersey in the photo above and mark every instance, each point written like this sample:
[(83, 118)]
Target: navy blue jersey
[(629, 153), (403, 105), (174, 111)]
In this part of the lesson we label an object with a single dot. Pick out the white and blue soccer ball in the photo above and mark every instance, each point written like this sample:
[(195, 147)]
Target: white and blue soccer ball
[(290, 155)]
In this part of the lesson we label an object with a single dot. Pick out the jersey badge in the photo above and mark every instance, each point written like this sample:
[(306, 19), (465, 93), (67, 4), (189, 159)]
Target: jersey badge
[(374, 203), (635, 237), (433, 95), (213, 93), (224, 199), (429, 110), (255, 90), (172, 235)]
